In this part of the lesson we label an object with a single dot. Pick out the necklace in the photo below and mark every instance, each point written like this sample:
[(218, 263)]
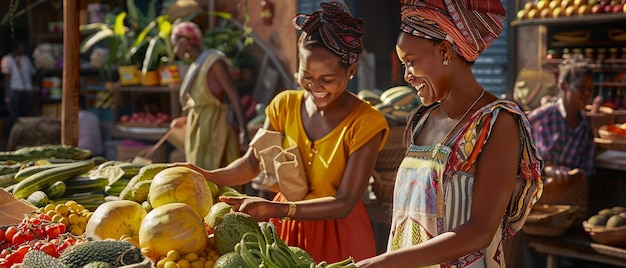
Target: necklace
[(457, 123)]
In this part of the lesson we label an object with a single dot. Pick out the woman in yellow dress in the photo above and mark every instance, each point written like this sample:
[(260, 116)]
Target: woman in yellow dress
[(338, 137)]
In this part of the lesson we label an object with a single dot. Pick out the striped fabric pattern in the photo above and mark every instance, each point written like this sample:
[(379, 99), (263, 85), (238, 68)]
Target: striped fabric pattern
[(470, 25)]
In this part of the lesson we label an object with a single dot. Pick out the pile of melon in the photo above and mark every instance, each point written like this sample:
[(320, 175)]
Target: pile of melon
[(175, 226), (609, 217)]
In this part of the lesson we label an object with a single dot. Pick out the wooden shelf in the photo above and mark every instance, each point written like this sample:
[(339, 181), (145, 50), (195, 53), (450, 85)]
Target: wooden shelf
[(585, 19)]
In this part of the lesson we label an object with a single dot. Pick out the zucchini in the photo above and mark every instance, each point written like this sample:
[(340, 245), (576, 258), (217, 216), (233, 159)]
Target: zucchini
[(8, 169), (7, 180), (38, 199), (43, 179), (89, 201), (85, 184), (55, 190), (46, 152), (28, 171)]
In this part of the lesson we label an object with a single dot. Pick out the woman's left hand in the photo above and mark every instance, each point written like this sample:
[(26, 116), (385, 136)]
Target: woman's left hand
[(259, 208)]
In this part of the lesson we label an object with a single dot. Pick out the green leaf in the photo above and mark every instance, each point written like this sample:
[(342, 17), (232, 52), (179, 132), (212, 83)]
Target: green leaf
[(93, 39)]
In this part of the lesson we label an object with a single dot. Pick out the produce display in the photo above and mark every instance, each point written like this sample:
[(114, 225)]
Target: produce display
[(568, 8), (609, 217), (93, 212), (395, 103)]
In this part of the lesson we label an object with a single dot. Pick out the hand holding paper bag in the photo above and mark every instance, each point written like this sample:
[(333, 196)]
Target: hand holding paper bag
[(281, 166)]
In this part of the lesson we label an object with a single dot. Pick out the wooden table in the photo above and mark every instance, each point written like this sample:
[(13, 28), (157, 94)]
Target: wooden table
[(578, 247)]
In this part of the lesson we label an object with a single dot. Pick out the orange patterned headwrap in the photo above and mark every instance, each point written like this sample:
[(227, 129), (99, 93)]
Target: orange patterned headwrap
[(470, 25)]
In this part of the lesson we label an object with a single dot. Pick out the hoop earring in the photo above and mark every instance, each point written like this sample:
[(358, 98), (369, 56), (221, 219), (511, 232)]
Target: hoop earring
[(446, 62)]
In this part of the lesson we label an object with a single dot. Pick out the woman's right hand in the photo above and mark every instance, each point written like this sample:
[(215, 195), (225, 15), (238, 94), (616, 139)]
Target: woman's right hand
[(178, 122)]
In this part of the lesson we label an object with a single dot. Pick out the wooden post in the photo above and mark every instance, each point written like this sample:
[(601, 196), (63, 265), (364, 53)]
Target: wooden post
[(71, 68)]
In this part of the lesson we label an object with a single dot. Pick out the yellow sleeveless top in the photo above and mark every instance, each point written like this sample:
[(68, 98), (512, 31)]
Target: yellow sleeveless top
[(324, 159)]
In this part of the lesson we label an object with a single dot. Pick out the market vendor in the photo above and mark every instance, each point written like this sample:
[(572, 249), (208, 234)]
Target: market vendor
[(206, 95)]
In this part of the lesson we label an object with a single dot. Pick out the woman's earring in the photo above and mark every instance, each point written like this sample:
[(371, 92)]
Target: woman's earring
[(446, 62), (352, 76), (310, 85), (186, 56)]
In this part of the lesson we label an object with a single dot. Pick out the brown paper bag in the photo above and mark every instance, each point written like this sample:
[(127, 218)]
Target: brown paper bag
[(266, 161), (290, 174), (264, 139)]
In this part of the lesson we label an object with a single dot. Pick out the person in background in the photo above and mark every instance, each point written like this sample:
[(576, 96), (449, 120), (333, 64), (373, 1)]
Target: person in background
[(338, 136), (206, 93), (471, 171), (565, 140), (560, 129), (89, 135), (18, 73)]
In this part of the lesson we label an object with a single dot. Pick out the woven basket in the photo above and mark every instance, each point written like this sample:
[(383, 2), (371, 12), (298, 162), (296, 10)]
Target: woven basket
[(572, 191), (392, 153), (383, 185), (549, 220), (620, 116), (612, 236), (604, 133), (597, 120), (608, 144)]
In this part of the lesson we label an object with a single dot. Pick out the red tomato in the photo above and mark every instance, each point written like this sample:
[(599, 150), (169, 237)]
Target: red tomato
[(2, 234), (4, 253), (22, 237), (50, 249), (52, 231), (23, 249), (10, 232), (14, 258), (4, 263)]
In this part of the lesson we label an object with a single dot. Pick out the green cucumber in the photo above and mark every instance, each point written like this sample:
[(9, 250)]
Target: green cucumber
[(43, 179), (55, 190)]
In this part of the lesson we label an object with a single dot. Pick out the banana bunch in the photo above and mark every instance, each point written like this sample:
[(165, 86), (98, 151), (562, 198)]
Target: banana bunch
[(104, 100), (575, 36)]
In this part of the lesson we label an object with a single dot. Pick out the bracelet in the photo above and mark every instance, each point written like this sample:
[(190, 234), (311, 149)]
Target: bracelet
[(291, 212)]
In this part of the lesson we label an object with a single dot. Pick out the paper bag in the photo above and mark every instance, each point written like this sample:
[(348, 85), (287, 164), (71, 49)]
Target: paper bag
[(290, 174)]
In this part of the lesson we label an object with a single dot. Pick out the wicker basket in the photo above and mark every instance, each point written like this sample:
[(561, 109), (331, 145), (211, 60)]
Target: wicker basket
[(549, 220), (597, 120), (604, 133), (383, 185), (620, 116), (608, 144), (612, 236), (572, 191), (392, 153)]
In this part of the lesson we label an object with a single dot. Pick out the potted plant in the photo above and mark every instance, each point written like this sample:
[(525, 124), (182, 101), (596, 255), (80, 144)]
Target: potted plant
[(159, 56), (126, 36), (231, 39)]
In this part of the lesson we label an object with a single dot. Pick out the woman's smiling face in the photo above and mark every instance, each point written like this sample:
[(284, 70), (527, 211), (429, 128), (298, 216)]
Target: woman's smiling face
[(321, 73), (423, 68)]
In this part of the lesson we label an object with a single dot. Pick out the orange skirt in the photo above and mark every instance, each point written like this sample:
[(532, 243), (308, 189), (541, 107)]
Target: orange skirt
[(331, 240)]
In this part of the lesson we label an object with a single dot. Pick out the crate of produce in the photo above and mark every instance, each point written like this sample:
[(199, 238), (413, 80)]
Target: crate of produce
[(608, 226)]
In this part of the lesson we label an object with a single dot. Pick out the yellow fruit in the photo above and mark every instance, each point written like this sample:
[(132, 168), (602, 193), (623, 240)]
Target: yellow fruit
[(174, 226), (623, 126), (115, 218), (181, 185)]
